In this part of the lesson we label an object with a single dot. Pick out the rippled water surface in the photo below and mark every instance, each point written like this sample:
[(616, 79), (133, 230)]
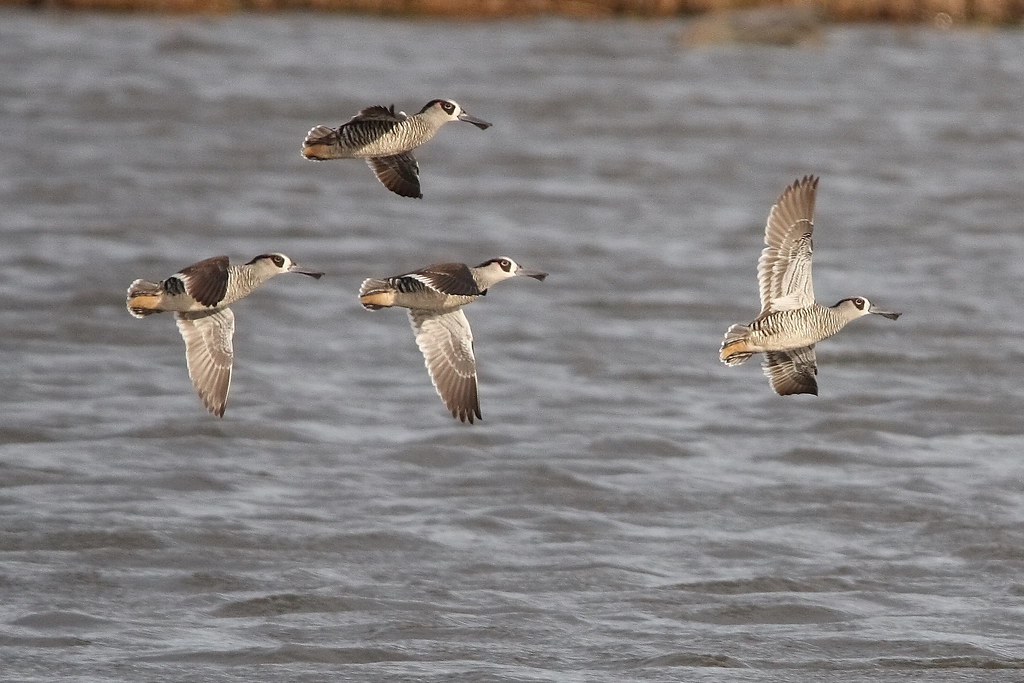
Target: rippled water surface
[(629, 508)]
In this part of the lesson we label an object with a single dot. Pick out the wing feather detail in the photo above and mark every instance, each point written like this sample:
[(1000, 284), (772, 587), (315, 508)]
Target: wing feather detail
[(793, 371), (400, 173), (455, 279), (446, 342), (378, 113), (784, 268), (206, 281), (209, 354)]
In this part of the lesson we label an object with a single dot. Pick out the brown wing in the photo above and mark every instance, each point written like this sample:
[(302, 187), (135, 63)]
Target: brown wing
[(448, 278), (209, 354), (399, 173), (447, 346), (784, 268), (792, 372), (206, 281), (378, 113)]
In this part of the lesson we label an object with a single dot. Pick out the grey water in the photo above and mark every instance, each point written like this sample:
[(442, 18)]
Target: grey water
[(628, 508)]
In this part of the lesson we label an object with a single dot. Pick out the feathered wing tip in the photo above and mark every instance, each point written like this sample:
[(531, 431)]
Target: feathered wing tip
[(467, 409), (376, 294), (802, 193), (400, 173), (792, 372), (446, 342), (379, 112), (209, 355), (736, 346), (143, 298), (320, 144)]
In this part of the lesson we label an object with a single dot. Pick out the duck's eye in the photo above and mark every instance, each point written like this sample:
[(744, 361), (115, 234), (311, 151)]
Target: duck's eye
[(448, 107), (278, 260), (505, 264), (859, 303)]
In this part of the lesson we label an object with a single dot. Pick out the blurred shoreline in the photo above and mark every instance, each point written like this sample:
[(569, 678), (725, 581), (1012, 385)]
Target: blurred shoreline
[(900, 11)]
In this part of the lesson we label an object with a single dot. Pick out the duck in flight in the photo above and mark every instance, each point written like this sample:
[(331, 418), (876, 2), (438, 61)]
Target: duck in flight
[(385, 139), (200, 295), (435, 296), (791, 322)]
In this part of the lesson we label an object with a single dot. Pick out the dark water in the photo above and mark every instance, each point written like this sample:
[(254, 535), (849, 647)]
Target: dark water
[(629, 509)]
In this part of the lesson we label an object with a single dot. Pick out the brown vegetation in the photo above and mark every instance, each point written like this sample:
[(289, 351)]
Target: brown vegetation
[(943, 11)]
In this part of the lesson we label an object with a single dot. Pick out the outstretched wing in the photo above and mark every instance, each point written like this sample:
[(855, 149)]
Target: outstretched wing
[(209, 354), (793, 371), (784, 268), (447, 346), (400, 173)]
